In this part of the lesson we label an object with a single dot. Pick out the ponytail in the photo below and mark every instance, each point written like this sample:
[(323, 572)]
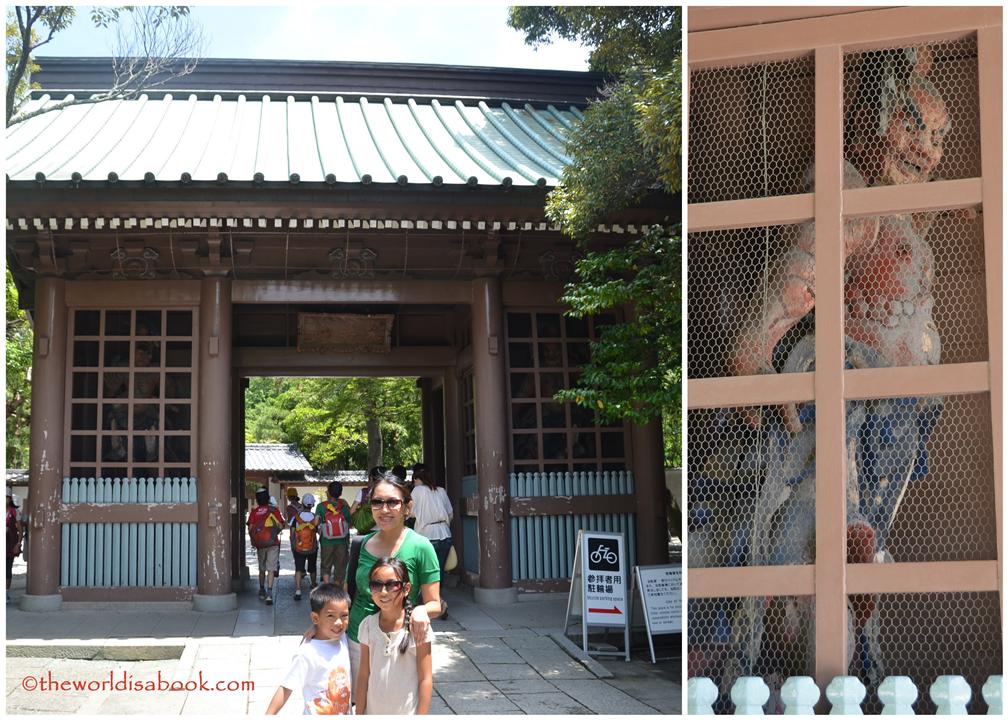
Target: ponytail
[(407, 613)]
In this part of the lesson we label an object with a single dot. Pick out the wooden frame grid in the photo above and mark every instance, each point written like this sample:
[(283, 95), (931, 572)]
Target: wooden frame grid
[(830, 579), (532, 382), (89, 411)]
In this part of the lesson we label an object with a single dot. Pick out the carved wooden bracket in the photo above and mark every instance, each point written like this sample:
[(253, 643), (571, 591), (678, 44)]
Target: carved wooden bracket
[(559, 265), (352, 262), (134, 261)]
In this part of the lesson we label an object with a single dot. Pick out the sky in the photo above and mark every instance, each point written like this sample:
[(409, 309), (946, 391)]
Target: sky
[(453, 34)]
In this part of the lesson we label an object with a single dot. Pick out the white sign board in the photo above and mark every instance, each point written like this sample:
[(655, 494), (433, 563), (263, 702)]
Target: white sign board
[(599, 593), (661, 592), (605, 579)]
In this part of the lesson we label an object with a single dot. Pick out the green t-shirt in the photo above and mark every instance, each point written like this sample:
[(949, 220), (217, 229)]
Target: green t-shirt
[(320, 512), (416, 552)]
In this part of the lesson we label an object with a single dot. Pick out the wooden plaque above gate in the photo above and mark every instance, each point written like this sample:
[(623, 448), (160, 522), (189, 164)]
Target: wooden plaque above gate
[(335, 333)]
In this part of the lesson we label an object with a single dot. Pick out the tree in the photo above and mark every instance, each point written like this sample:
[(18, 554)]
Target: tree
[(153, 45), (627, 148), (338, 423), (18, 353)]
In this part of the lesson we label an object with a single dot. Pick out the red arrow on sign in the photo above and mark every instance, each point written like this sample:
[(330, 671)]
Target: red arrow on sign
[(615, 611)]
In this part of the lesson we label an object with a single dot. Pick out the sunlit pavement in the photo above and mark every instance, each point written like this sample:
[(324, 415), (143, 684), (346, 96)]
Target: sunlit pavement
[(487, 660)]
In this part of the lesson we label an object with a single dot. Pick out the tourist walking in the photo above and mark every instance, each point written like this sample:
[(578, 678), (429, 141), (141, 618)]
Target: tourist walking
[(433, 512), (304, 543), (264, 526)]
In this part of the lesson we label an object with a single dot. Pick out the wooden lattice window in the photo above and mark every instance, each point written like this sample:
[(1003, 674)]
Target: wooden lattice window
[(130, 409), (545, 354)]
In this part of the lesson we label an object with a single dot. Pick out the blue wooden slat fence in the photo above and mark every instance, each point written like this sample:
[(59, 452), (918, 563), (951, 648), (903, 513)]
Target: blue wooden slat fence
[(542, 547), (149, 554)]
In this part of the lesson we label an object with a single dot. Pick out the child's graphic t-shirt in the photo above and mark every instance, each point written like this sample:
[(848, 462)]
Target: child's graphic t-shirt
[(320, 671), (393, 679)]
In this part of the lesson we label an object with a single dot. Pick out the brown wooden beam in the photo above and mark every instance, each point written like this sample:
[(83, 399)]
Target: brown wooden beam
[(572, 505), (124, 293), (552, 585), (930, 577), (172, 199), (763, 581), (288, 361), (531, 293), (359, 291), (127, 594), (127, 513)]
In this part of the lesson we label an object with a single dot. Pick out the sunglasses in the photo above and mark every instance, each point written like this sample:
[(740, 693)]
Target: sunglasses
[(390, 586), (390, 503)]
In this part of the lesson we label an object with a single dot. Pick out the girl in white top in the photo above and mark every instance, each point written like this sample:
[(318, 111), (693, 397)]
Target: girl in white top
[(433, 512), (396, 675)]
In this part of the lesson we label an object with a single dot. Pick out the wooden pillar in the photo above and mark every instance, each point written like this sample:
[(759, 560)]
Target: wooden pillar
[(495, 584), (213, 592), (453, 454), (649, 485), (45, 463), (830, 452), (238, 513)]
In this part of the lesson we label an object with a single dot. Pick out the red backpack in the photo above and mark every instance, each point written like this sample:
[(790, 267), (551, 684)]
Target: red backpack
[(265, 528), (334, 523)]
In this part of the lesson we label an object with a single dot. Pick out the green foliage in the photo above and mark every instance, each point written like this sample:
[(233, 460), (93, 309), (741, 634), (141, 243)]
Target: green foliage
[(628, 147), (635, 370), (327, 418), (18, 352), (622, 37)]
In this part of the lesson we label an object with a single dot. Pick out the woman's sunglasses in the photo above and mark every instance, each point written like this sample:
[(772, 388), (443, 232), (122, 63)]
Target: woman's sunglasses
[(390, 503), (390, 586)]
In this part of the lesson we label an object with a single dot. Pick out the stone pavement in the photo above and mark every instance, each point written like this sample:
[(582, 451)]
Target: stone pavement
[(487, 660)]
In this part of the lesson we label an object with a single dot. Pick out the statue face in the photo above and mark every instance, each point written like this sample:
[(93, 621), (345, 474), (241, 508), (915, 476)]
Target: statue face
[(913, 140)]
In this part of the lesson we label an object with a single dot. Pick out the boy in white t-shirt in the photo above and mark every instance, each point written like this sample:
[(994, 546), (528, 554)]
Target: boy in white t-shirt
[(321, 667)]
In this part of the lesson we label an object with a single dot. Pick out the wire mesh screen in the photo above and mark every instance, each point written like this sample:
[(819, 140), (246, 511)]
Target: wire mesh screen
[(751, 293), (751, 487), (922, 636), (924, 479), (772, 637), (751, 130), (911, 113), (915, 289)]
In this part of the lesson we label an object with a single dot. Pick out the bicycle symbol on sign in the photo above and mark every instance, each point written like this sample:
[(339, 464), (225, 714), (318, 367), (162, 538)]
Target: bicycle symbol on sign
[(603, 554)]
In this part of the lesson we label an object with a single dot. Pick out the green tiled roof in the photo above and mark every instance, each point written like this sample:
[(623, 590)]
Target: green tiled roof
[(173, 139)]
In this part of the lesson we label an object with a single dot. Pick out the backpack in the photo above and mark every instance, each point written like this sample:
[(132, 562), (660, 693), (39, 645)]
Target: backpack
[(334, 524), (362, 518), (305, 539), (265, 529)]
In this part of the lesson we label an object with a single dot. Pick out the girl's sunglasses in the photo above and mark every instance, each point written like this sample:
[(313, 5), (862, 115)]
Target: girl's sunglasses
[(390, 586)]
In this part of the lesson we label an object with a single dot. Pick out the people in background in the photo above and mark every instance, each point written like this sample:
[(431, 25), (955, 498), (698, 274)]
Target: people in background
[(332, 518), (13, 537), (264, 526), (433, 512), (304, 543)]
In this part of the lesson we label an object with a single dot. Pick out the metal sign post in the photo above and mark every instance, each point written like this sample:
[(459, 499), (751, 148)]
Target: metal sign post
[(599, 592), (660, 590)]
